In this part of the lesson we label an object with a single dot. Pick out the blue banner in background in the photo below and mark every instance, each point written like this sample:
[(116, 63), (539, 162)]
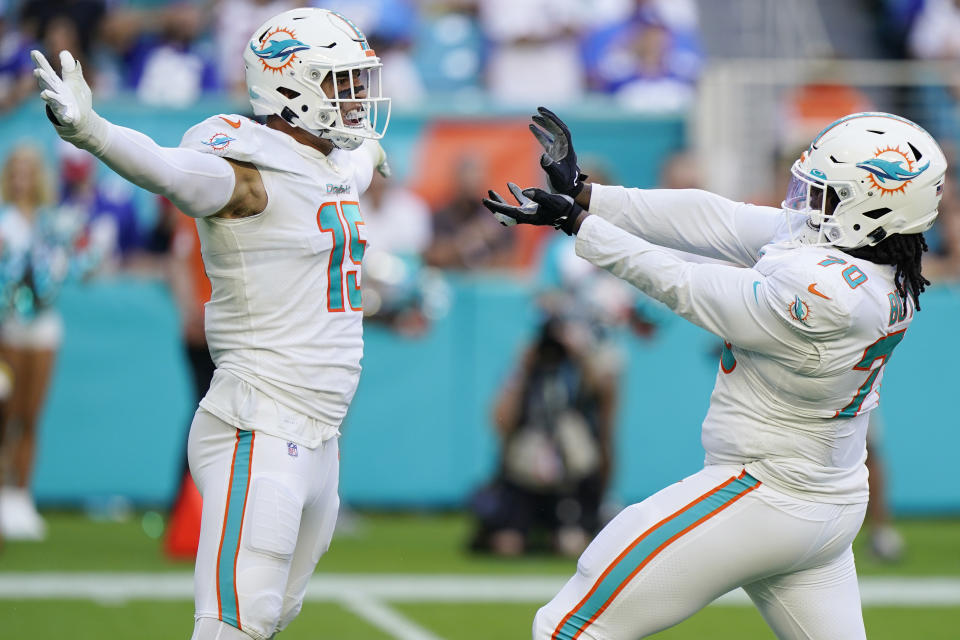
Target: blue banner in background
[(419, 432)]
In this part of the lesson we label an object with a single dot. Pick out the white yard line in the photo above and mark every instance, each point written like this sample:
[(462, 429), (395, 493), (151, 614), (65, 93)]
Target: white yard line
[(386, 619), (120, 587)]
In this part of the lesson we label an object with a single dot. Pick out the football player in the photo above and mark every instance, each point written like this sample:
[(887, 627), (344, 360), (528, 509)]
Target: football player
[(814, 300), (282, 241)]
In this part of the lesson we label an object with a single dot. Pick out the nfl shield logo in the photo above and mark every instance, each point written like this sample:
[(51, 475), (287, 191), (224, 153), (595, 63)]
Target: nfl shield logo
[(292, 450)]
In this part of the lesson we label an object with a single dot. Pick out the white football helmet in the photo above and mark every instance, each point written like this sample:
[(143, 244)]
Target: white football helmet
[(289, 57), (865, 177)]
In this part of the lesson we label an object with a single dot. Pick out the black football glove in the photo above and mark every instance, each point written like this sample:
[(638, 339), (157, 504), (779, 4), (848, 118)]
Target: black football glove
[(536, 207), (559, 160)]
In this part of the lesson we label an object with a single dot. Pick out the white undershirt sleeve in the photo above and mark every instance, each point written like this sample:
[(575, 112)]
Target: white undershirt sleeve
[(689, 220), (199, 184), (731, 302)]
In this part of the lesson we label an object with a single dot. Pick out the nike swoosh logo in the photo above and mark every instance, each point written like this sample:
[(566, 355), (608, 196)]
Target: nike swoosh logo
[(235, 125), (813, 289)]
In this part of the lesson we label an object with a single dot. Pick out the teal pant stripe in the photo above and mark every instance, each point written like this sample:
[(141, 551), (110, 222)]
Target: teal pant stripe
[(646, 549), (232, 525)]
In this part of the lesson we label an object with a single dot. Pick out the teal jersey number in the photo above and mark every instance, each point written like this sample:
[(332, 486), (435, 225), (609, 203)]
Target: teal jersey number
[(351, 214), (879, 350), (852, 274), (342, 221)]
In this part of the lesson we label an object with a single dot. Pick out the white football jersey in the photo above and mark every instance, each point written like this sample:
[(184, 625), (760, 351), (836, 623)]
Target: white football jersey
[(284, 321), (807, 330)]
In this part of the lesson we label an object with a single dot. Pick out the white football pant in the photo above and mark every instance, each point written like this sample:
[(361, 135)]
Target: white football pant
[(662, 560), (269, 510)]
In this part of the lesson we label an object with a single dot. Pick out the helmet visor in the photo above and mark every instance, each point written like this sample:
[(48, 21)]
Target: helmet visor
[(817, 196), (817, 199)]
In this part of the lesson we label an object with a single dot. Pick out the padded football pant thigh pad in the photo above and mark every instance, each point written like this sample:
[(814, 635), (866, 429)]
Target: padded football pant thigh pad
[(274, 519)]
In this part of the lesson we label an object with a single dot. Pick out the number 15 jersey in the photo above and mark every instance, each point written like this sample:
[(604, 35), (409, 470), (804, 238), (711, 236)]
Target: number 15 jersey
[(284, 321)]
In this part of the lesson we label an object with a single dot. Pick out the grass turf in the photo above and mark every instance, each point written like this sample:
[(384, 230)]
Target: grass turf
[(408, 543), (402, 543), (54, 619)]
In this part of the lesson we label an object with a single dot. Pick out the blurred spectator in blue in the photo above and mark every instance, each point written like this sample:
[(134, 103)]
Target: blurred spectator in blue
[(106, 206), (935, 33), (643, 62), (894, 25), (162, 56), (465, 235), (534, 57), (16, 69), (40, 247), (64, 24), (234, 21)]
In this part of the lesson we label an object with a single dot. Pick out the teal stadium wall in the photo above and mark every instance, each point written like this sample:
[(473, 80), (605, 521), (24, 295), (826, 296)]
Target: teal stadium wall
[(418, 434)]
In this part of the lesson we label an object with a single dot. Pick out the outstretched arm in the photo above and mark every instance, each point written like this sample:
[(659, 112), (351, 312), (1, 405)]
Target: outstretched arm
[(741, 305), (687, 220), (754, 311), (690, 220), (198, 184)]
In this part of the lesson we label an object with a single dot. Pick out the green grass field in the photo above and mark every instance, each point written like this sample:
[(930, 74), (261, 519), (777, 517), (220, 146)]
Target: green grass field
[(427, 544)]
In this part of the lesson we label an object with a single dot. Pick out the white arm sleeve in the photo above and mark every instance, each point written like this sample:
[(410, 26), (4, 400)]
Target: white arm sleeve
[(199, 184), (690, 220), (736, 303)]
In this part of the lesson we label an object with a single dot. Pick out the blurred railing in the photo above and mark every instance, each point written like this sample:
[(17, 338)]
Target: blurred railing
[(753, 116)]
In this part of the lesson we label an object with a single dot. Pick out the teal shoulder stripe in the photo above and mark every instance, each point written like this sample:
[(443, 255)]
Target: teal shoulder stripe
[(233, 523), (647, 548)]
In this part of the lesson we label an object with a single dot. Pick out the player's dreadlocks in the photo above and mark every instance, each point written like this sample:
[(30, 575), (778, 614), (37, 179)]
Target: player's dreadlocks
[(904, 252)]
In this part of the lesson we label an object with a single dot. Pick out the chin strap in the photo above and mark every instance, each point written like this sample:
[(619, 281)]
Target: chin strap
[(877, 235)]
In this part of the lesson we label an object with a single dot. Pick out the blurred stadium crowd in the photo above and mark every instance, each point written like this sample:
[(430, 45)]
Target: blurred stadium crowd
[(645, 53), (634, 55), (61, 218)]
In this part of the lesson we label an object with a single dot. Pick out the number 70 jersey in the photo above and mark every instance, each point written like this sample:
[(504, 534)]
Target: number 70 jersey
[(284, 321), (803, 425)]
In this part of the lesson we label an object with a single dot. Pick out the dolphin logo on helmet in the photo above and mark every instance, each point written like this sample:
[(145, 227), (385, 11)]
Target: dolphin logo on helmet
[(890, 170), (279, 48)]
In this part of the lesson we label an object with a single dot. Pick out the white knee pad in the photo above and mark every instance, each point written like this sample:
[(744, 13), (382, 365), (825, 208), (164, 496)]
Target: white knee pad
[(213, 629)]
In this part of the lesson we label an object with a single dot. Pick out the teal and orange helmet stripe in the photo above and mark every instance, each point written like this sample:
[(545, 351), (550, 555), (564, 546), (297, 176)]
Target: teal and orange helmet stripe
[(645, 548), (865, 114), (361, 39), (228, 604)]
